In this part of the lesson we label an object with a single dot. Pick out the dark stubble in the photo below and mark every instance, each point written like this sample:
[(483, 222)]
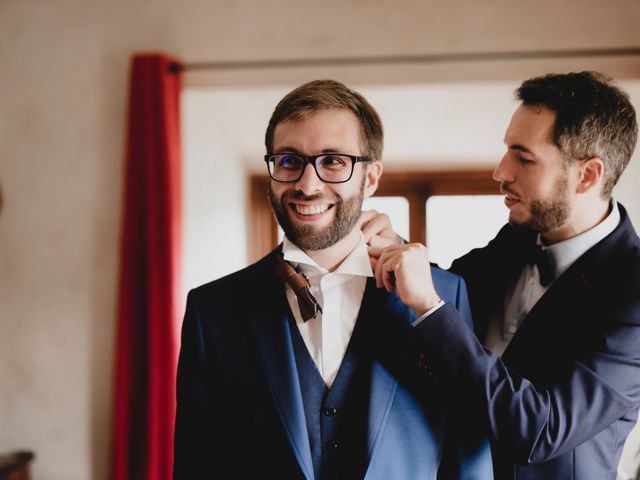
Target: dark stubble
[(548, 214), (309, 237)]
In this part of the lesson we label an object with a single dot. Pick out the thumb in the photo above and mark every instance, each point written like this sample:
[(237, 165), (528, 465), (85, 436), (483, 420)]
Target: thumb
[(365, 217), (378, 242)]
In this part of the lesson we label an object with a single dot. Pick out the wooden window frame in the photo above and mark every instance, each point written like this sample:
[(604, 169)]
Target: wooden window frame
[(415, 186)]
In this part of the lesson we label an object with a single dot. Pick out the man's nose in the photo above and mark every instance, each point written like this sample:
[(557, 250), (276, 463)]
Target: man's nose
[(309, 183), (503, 171)]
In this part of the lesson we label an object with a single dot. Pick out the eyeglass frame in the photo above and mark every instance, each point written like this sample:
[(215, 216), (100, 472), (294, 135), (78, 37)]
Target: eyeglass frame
[(311, 159)]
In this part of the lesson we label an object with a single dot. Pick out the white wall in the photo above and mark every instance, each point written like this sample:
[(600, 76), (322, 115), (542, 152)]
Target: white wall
[(62, 109)]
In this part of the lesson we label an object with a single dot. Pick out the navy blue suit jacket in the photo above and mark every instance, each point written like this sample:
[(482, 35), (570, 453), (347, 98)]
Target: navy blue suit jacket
[(239, 401), (563, 397)]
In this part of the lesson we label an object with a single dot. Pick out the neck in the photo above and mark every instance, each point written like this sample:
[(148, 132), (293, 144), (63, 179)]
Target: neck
[(331, 257), (585, 215)]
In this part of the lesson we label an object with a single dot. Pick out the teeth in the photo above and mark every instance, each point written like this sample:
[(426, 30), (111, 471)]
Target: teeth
[(310, 209)]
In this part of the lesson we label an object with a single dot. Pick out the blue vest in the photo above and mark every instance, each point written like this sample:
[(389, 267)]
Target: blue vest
[(337, 417)]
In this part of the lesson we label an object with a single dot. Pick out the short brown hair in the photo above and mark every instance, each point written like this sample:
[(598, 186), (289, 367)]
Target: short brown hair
[(594, 118), (329, 94)]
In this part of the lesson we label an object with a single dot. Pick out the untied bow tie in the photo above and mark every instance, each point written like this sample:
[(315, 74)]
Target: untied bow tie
[(545, 263), (309, 306)]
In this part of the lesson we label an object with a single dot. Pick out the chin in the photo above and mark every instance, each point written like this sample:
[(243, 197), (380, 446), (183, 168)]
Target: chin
[(519, 221)]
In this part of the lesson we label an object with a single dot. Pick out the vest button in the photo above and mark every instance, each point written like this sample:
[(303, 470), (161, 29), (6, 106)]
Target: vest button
[(333, 445), (330, 411)]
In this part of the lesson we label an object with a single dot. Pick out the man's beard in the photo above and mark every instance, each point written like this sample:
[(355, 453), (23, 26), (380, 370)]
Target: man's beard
[(546, 215), (309, 237)]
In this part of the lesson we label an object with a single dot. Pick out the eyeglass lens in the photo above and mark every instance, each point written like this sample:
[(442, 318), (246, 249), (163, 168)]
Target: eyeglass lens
[(330, 167)]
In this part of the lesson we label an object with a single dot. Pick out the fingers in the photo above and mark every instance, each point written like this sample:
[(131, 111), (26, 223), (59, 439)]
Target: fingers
[(366, 216), (369, 224), (381, 242), (377, 230), (385, 262), (405, 270), (388, 276), (374, 254), (374, 263)]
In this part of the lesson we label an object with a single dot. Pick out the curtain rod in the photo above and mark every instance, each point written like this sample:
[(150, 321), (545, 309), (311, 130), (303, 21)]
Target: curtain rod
[(397, 59)]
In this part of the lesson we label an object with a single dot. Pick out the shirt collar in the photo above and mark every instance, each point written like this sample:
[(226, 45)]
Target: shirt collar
[(568, 251), (356, 263)]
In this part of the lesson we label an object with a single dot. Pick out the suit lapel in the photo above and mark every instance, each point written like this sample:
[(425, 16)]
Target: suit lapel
[(492, 278), (384, 334), (543, 318), (271, 329), (383, 321), (571, 288)]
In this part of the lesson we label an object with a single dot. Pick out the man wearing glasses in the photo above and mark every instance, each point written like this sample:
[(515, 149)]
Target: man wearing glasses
[(289, 368)]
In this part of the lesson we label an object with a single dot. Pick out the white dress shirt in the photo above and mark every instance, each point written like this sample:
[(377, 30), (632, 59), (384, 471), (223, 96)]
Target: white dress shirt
[(527, 290), (339, 293)]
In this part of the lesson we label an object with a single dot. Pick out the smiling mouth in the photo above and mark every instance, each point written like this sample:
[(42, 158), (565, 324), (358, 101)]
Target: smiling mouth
[(307, 210)]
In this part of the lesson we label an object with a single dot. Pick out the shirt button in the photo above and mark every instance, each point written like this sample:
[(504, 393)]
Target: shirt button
[(330, 411), (333, 445)]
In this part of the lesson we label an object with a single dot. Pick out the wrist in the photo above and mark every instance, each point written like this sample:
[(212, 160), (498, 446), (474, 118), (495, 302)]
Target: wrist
[(426, 305)]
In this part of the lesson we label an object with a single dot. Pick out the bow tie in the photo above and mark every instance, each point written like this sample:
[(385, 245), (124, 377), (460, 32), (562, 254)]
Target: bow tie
[(309, 306), (545, 263)]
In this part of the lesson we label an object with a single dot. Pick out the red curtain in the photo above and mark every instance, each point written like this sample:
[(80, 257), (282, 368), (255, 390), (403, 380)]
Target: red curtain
[(149, 308)]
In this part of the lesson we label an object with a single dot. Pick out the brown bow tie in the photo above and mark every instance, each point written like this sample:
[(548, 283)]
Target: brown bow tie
[(309, 306)]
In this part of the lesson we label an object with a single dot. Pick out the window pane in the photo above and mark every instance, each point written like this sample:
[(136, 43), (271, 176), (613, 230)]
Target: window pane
[(458, 223), (396, 207)]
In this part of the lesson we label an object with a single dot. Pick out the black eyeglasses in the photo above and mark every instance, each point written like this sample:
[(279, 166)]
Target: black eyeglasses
[(330, 167)]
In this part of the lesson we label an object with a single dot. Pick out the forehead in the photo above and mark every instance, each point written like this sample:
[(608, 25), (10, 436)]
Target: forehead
[(531, 125), (319, 131)]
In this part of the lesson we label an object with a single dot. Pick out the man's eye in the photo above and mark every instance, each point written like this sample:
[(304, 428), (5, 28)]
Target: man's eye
[(333, 161), (524, 161), (289, 161)]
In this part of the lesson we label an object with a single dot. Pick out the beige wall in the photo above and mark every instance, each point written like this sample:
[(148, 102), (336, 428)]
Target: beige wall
[(63, 75)]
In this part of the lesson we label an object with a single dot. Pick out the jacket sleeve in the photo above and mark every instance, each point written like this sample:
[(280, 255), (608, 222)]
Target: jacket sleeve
[(467, 452), (534, 423), (190, 441)]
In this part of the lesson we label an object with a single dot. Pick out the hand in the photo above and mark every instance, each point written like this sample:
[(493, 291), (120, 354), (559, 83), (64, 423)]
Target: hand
[(405, 269), (377, 230)]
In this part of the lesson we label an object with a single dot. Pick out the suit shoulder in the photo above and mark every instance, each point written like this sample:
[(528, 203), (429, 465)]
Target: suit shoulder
[(450, 286), (621, 271), (615, 260), (444, 276)]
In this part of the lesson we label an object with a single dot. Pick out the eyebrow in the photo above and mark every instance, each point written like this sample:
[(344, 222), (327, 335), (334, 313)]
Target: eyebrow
[(521, 148), (287, 149)]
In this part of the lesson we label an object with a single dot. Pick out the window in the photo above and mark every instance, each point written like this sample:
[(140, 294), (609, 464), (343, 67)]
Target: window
[(458, 223)]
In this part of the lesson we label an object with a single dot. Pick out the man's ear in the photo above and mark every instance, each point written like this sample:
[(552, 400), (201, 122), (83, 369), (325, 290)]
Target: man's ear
[(374, 171), (590, 174)]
